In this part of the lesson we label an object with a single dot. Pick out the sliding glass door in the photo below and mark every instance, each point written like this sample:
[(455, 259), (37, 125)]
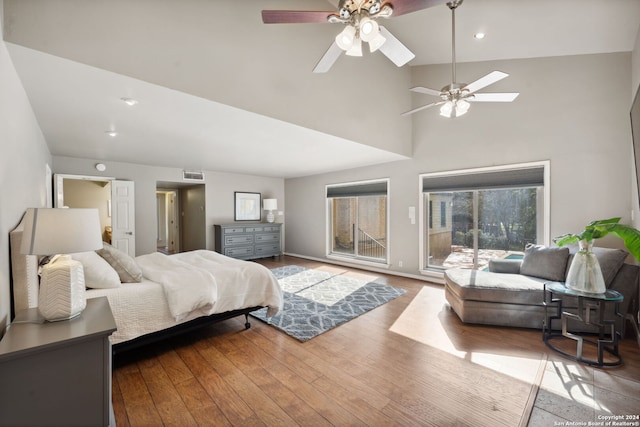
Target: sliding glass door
[(466, 226), (358, 221)]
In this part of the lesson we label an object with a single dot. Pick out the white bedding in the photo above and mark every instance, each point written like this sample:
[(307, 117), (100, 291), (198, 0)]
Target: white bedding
[(186, 288), (142, 308)]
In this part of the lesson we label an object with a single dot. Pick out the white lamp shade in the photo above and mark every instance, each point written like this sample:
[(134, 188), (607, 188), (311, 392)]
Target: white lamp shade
[(270, 204), (462, 107), (376, 43), (447, 109), (346, 37), (356, 49), (51, 231), (368, 29)]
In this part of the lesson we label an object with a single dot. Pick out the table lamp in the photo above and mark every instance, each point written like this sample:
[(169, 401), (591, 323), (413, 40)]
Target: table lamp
[(54, 232), (270, 205)]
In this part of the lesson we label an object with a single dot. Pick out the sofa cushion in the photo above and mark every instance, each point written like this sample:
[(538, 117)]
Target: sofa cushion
[(545, 262), (492, 287), (501, 265), (610, 260)]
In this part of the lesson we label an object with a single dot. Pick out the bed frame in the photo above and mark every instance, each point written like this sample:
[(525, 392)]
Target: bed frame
[(182, 328), (25, 288)]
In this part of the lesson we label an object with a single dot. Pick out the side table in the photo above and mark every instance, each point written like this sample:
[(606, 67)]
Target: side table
[(58, 373), (590, 310)]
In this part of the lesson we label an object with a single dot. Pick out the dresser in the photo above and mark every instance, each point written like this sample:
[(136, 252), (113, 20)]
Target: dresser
[(248, 241), (58, 373)]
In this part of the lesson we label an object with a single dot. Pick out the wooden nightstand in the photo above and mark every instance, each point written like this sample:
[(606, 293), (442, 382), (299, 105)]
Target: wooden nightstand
[(58, 373)]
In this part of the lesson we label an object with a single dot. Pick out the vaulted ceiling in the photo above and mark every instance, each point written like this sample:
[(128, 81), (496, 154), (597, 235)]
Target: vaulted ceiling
[(220, 90)]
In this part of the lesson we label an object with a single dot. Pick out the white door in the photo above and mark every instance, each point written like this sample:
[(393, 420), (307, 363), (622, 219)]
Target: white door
[(123, 216)]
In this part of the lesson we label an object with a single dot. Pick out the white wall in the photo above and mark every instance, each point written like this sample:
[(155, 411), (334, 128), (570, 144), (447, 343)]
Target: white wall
[(219, 191), (635, 84), (568, 112), (23, 159), (193, 54)]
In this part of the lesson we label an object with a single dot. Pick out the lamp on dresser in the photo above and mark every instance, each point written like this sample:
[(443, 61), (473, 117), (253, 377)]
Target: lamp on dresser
[(270, 205), (55, 232)]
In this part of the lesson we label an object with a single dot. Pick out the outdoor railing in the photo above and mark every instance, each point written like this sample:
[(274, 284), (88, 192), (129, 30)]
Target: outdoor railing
[(369, 246)]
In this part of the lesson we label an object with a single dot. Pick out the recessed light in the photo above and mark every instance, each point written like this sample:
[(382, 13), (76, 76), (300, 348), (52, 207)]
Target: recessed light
[(129, 101), (479, 36), (111, 133)]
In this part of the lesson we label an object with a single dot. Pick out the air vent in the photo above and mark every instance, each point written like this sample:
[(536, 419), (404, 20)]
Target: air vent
[(192, 175)]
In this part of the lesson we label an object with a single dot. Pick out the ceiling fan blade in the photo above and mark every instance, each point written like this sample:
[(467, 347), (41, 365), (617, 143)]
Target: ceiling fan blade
[(394, 49), (425, 90), (330, 57), (401, 7), (295, 16), (485, 81), (415, 110), (493, 97)]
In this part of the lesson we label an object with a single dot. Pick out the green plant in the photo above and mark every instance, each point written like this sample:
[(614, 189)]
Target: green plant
[(601, 228)]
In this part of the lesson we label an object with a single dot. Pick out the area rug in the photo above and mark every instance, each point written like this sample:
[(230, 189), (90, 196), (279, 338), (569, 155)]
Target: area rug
[(316, 301)]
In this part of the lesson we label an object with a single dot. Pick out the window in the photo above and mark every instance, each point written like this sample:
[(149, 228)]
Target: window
[(484, 214), (358, 220)]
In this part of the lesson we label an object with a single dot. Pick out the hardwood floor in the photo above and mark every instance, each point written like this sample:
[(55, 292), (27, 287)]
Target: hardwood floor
[(409, 362)]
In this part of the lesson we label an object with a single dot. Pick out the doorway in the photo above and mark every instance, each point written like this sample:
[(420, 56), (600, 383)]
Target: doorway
[(181, 217), (114, 199)]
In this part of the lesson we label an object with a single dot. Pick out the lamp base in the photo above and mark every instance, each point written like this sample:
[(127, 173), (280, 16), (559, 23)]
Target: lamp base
[(270, 217), (62, 290)]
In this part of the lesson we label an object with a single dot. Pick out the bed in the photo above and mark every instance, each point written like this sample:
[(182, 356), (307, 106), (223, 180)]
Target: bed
[(173, 293)]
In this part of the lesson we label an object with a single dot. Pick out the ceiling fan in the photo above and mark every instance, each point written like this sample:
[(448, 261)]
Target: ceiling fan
[(360, 20), (455, 97)]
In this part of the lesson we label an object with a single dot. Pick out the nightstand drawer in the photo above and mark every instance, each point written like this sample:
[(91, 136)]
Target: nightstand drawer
[(238, 240)]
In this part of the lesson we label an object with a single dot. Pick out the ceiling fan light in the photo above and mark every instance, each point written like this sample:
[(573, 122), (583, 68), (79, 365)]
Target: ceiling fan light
[(447, 109), (369, 29), (346, 38), (462, 107), (356, 48), (376, 43)]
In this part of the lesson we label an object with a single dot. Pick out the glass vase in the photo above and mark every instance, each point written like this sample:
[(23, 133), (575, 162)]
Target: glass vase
[(585, 274)]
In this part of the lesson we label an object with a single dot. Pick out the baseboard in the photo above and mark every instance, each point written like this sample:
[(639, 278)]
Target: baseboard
[(363, 267)]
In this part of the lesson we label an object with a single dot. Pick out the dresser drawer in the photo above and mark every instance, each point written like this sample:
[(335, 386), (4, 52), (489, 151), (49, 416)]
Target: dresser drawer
[(267, 250), (272, 228), (267, 237), (239, 252), (253, 229), (238, 240), (233, 230)]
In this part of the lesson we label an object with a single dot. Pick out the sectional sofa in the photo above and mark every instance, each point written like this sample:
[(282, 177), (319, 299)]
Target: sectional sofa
[(511, 292)]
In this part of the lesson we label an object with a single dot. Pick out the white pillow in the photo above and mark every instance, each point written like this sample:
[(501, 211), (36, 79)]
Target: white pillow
[(98, 274), (122, 263)]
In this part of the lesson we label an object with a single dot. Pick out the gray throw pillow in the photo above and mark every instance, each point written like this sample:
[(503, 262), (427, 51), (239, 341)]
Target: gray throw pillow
[(122, 263), (610, 261), (545, 262)]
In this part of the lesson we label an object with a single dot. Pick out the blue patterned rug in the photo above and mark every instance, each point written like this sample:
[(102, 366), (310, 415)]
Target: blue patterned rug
[(316, 301)]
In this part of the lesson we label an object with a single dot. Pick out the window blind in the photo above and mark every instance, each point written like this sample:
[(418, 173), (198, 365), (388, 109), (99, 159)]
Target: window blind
[(377, 188), (507, 178)]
